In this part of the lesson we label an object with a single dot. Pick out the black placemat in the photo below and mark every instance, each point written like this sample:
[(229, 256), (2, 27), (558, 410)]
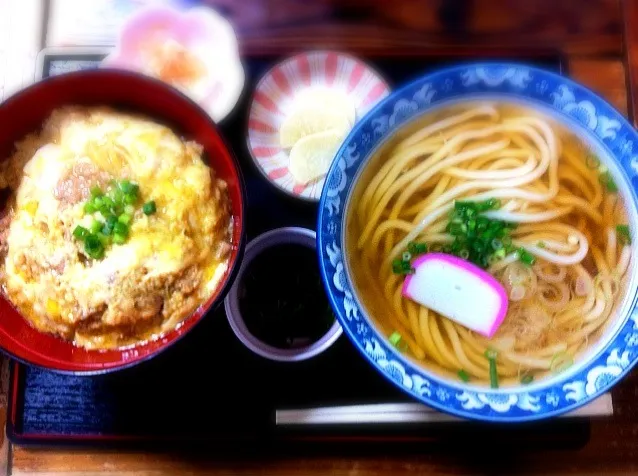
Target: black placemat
[(208, 385)]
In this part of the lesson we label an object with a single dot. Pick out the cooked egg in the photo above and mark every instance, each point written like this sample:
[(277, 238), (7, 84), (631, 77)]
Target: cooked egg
[(167, 266)]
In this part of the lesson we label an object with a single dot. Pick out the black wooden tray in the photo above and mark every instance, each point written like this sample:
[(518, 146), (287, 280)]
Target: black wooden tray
[(208, 387)]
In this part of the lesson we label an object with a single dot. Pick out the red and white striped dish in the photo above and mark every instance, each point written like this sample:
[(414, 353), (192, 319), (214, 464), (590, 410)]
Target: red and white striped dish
[(273, 99)]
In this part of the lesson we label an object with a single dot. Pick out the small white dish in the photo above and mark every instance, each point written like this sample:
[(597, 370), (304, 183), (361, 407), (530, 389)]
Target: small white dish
[(194, 50), (275, 97), (279, 236)]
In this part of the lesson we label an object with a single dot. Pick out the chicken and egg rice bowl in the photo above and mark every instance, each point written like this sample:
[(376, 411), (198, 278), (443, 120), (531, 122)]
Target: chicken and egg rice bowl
[(115, 230)]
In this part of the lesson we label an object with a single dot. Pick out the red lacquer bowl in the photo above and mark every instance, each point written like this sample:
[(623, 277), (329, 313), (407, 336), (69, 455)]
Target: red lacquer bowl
[(26, 111)]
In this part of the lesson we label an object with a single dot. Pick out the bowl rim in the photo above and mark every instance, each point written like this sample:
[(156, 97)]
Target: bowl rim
[(521, 404), (268, 74), (279, 236), (221, 291)]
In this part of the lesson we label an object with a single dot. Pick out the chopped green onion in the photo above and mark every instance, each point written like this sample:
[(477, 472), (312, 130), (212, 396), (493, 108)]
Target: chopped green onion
[(110, 222), (120, 229), (456, 229), (402, 267), (560, 362), (463, 375), (130, 199), (80, 232), (89, 208), (119, 239), (541, 244), (96, 226), (592, 161), (108, 205), (93, 247), (149, 208), (395, 338), (463, 206), (124, 218), (527, 379), (477, 238), (407, 256), (417, 248), (104, 239), (607, 181), (128, 187), (623, 233), (526, 257), (491, 355), (116, 212), (499, 254), (118, 197)]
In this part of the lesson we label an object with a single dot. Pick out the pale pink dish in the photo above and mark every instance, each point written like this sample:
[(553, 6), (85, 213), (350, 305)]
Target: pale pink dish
[(458, 290), (194, 51)]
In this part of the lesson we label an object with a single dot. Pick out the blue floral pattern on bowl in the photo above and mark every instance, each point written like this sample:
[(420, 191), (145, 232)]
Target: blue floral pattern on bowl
[(568, 102)]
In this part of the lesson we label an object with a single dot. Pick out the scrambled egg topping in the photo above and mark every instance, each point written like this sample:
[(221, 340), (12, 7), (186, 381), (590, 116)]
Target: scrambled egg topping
[(172, 260)]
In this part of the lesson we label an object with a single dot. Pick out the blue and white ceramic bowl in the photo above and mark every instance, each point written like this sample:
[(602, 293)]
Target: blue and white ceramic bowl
[(582, 112)]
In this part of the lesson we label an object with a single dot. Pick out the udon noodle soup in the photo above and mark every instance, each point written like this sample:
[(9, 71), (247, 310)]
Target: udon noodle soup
[(547, 221)]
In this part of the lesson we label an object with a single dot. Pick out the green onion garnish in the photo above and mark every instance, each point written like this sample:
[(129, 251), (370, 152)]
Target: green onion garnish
[(463, 375), (121, 229), (127, 186), (402, 267), (526, 257), (80, 232), (491, 355), (110, 222), (527, 379), (407, 256), (607, 181), (395, 338), (119, 239), (592, 161), (623, 234), (96, 192), (149, 208), (541, 244), (124, 218), (93, 247), (417, 248), (130, 199), (96, 226), (104, 239), (89, 208), (477, 238), (560, 362), (116, 208)]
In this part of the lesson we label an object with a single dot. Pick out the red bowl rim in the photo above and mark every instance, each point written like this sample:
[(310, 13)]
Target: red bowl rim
[(234, 267)]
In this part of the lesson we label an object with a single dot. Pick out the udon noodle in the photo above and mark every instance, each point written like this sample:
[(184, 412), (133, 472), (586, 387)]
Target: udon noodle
[(563, 207)]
